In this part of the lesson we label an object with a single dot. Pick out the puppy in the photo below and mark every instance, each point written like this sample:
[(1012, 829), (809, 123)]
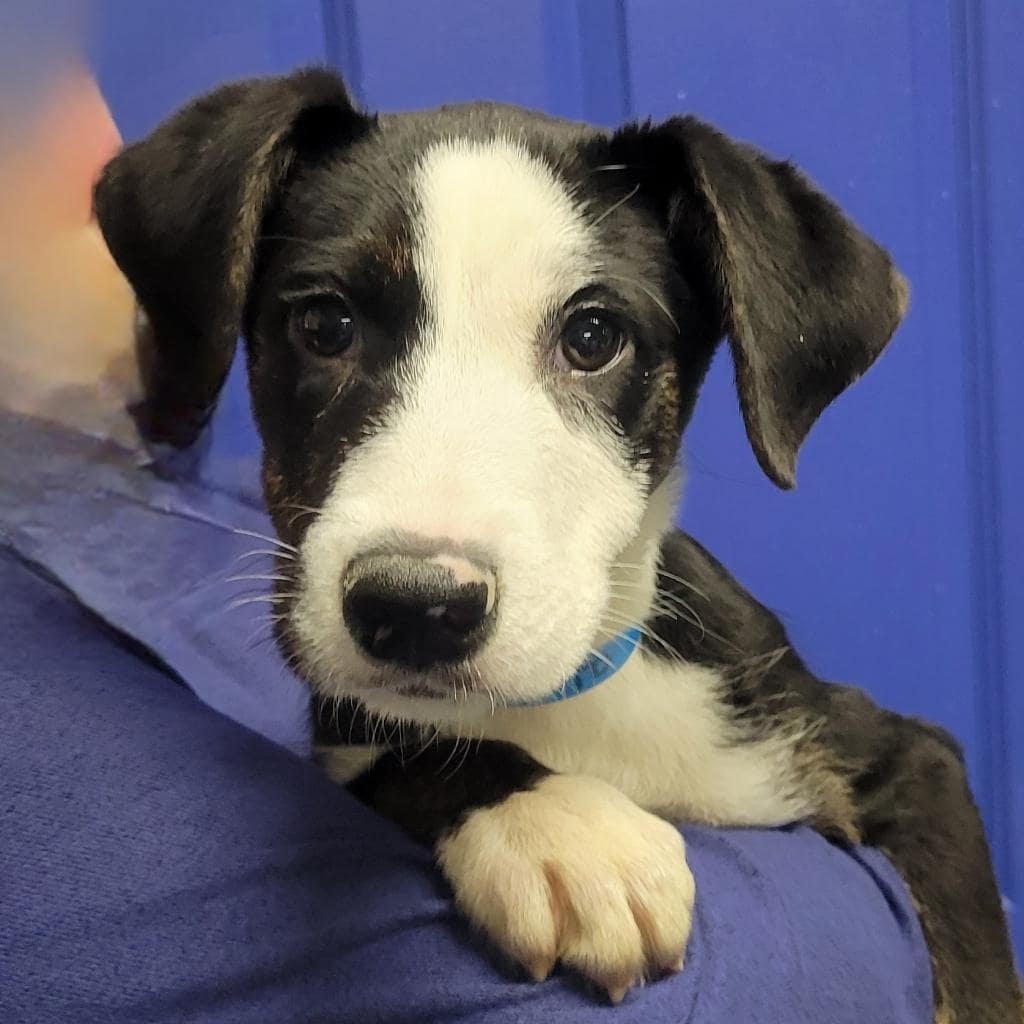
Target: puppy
[(474, 338)]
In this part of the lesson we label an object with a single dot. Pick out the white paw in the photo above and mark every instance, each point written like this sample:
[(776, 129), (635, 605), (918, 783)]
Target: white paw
[(574, 871)]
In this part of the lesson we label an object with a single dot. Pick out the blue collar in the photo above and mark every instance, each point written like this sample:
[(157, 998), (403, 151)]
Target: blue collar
[(598, 666)]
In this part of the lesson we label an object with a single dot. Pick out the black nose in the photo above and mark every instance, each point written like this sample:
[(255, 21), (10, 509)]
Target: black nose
[(418, 611)]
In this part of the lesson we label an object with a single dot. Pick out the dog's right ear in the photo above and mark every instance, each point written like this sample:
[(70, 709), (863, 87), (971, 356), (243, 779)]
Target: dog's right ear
[(181, 212)]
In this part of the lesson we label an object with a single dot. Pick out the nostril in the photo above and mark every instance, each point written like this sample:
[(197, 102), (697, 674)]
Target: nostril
[(417, 611), (461, 613), (381, 636)]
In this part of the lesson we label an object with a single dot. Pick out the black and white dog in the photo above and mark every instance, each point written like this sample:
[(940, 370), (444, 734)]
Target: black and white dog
[(475, 336)]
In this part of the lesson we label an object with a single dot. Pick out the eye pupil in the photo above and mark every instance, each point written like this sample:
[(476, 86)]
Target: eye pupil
[(324, 326), (591, 341)]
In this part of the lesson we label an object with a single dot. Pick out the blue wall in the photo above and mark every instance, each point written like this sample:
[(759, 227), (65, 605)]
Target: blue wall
[(899, 562)]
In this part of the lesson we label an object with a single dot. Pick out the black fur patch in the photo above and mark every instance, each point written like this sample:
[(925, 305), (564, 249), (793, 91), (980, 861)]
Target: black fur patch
[(429, 799)]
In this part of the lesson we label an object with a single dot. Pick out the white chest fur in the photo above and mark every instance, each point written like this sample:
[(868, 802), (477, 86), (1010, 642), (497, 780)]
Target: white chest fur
[(659, 732)]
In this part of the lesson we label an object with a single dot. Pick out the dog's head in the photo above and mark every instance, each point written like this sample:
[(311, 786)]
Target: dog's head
[(474, 338)]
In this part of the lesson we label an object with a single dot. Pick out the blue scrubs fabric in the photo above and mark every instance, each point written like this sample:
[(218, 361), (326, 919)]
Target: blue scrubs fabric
[(168, 853)]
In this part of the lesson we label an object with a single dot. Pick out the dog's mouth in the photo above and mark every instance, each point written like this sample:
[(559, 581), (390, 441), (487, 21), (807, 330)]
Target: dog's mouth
[(419, 691), (439, 692), (450, 689)]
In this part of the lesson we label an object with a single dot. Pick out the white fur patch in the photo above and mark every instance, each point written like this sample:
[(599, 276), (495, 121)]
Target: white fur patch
[(658, 732), (573, 871), (475, 449)]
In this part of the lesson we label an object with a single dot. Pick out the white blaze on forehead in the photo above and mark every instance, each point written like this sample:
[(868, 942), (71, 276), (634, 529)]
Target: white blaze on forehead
[(501, 243), (499, 246)]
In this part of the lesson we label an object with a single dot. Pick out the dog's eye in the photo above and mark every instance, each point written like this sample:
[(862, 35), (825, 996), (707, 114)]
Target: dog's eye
[(591, 341), (324, 325)]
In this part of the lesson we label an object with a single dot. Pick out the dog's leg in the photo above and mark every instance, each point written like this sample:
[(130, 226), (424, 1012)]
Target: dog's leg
[(551, 867), (912, 801)]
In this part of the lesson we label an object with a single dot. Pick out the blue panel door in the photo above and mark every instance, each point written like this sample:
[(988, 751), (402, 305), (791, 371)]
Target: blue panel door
[(994, 90)]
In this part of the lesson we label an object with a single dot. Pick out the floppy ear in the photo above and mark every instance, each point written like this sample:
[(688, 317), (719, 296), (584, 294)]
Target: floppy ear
[(808, 301), (181, 212)]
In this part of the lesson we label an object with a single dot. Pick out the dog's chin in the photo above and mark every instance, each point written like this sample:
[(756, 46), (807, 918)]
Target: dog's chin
[(423, 704), (448, 699)]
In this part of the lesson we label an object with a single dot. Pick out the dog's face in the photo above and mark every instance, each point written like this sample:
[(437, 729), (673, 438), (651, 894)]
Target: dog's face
[(463, 354), (475, 336)]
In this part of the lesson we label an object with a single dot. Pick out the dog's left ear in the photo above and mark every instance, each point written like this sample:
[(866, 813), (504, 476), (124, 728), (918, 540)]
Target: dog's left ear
[(808, 301)]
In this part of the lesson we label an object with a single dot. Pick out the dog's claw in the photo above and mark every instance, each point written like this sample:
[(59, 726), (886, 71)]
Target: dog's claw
[(616, 993), (540, 970)]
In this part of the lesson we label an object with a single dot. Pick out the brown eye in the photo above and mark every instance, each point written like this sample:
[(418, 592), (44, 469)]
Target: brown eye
[(591, 341), (323, 325)]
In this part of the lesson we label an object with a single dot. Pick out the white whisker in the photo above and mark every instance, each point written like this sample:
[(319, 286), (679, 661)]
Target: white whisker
[(662, 572), (650, 294), (611, 209), (270, 577), (270, 552), (268, 598), (263, 537), (595, 653), (646, 631)]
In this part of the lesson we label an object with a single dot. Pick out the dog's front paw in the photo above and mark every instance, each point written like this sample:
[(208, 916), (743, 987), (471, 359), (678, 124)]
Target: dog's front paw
[(572, 870)]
